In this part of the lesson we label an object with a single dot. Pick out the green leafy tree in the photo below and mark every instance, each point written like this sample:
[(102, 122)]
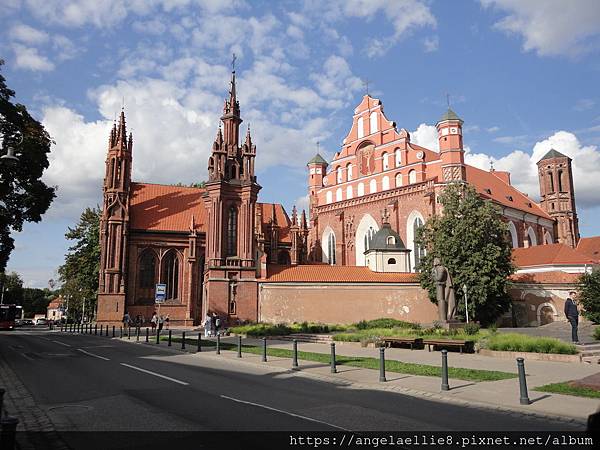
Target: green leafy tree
[(24, 197), (589, 295), (471, 240), (36, 301), (11, 288), (79, 273)]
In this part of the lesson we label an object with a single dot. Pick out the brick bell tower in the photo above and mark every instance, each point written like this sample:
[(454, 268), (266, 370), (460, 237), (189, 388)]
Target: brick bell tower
[(114, 225), (558, 196), (450, 138), (230, 202)]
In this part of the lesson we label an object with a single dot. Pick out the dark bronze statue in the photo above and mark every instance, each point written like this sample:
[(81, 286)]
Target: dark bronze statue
[(444, 288)]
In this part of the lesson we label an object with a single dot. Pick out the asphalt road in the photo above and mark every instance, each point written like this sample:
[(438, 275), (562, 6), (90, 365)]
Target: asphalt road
[(92, 383)]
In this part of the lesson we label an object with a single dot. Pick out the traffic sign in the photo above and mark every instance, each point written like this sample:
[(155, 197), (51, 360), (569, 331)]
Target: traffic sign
[(160, 293)]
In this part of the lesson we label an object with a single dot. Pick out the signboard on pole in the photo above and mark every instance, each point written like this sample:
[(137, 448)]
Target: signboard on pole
[(160, 293)]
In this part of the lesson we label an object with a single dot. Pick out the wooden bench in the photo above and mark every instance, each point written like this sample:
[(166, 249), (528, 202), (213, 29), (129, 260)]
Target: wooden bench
[(388, 341), (447, 343)]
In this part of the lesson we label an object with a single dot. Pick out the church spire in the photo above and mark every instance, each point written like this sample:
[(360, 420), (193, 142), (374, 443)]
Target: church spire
[(121, 139)]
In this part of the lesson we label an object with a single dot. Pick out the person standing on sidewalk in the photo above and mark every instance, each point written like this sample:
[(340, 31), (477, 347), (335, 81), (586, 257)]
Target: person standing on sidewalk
[(572, 314), (126, 321), (207, 325)]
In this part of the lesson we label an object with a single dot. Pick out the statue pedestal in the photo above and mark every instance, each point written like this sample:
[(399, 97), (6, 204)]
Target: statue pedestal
[(453, 325)]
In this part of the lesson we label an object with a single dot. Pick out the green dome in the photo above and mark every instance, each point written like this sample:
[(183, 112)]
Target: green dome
[(318, 159), (449, 115), (381, 241)]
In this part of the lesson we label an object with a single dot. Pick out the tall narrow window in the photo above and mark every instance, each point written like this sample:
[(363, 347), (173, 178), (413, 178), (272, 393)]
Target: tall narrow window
[(232, 232), (170, 275), (147, 270), (419, 251), (339, 174), (361, 189), (560, 184), (331, 248), (412, 177), (349, 172), (372, 186), (551, 178), (361, 127), (398, 180), (386, 163), (368, 236), (385, 183), (329, 197), (373, 120), (398, 157)]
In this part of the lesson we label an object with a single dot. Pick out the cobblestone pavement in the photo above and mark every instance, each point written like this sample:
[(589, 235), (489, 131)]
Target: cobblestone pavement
[(19, 403)]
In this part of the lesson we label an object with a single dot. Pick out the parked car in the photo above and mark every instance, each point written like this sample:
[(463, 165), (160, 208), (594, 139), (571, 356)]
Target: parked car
[(27, 322), (41, 321)]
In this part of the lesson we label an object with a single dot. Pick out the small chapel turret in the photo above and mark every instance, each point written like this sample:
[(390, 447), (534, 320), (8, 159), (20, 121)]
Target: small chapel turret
[(450, 139)]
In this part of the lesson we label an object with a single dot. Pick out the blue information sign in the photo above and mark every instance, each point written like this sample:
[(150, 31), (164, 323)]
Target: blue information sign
[(160, 293)]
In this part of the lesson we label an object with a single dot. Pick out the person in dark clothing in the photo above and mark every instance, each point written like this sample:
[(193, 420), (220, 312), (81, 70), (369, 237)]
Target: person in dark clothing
[(572, 316)]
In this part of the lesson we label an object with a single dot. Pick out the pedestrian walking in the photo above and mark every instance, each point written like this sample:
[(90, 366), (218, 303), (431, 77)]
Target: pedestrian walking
[(217, 323), (154, 321), (572, 314), (207, 325), (126, 321), (161, 322), (167, 321)]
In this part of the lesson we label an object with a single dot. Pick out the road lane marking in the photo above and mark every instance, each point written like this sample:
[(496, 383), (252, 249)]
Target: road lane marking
[(270, 408), (91, 354), (62, 343), (27, 357), (155, 374)]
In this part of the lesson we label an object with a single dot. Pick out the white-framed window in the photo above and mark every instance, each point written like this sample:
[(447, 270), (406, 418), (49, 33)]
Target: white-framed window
[(414, 221), (328, 246), (372, 186), (373, 122), (385, 183), (349, 171), (532, 237), (398, 179), (329, 197), (338, 173), (365, 230), (398, 157), (361, 127), (513, 234), (338, 195), (412, 177), (349, 193), (361, 189), (386, 162)]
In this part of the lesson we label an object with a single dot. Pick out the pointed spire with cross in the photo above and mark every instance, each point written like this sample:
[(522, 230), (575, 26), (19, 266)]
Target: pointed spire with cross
[(365, 83)]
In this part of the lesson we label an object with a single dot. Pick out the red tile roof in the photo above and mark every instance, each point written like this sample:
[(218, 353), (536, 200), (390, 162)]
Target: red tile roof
[(550, 254), (590, 247), (158, 207), (271, 211), (55, 303), (326, 273), (502, 192), (553, 277)]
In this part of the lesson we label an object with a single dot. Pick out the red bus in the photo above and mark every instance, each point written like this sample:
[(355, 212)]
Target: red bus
[(8, 314)]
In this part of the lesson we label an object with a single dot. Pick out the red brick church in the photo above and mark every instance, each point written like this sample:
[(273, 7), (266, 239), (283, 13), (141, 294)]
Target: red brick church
[(219, 250)]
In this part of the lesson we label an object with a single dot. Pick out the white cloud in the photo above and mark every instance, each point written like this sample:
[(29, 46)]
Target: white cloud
[(551, 27), (426, 136), (29, 59), (523, 166), (493, 129), (28, 35), (431, 44), (584, 104)]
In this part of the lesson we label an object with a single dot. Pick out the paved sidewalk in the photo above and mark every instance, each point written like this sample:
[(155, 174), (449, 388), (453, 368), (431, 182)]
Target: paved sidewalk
[(499, 395)]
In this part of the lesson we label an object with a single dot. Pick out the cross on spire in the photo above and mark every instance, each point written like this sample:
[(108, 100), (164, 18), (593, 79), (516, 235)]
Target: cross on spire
[(365, 83), (233, 58), (448, 100), (318, 144)]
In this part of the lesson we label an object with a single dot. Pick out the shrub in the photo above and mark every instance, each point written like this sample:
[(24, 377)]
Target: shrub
[(515, 342), (597, 333), (383, 323), (472, 328), (262, 329)]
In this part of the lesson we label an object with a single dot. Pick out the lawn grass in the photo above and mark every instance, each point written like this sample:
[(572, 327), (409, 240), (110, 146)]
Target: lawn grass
[(515, 342), (566, 389), (359, 361), (372, 334), (283, 329)]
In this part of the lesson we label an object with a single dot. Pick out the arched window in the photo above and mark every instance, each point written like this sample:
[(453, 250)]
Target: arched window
[(391, 240), (398, 179), (398, 157), (392, 261), (531, 237), (551, 181), (283, 258), (361, 189), (365, 230), (513, 235), (147, 270), (232, 232), (339, 174), (386, 163), (373, 120), (338, 195), (413, 223), (329, 197), (349, 192), (361, 127), (373, 186), (170, 274), (367, 239), (419, 251), (560, 183), (349, 172), (385, 183), (328, 246), (412, 177), (548, 238), (331, 248)]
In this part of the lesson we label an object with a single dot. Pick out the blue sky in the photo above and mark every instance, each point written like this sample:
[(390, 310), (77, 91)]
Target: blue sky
[(522, 74)]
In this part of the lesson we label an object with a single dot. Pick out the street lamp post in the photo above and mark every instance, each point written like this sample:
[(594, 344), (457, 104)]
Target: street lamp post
[(466, 303)]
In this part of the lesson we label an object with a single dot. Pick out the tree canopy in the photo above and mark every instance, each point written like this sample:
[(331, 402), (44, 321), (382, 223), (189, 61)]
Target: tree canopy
[(23, 196), (79, 273), (589, 295), (471, 240)]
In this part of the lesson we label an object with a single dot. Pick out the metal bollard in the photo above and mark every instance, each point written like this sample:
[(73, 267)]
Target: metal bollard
[(2, 391), (106, 331), (183, 340), (96, 330), (239, 355), (264, 349), (445, 385), (169, 344), (524, 400), (382, 364), (113, 331), (128, 329), (8, 433), (101, 329), (295, 354), (121, 332), (137, 334), (218, 344), (199, 347), (333, 368), (147, 334), (157, 336)]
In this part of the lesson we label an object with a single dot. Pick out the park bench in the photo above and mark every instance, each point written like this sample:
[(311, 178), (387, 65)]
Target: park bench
[(447, 343), (388, 341)]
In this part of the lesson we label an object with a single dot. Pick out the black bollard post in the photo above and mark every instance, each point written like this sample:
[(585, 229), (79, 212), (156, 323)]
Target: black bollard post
[(199, 348), (113, 331), (445, 385), (183, 340), (106, 331), (96, 330), (2, 391), (333, 368), (169, 344), (137, 334), (524, 400), (382, 364), (218, 344), (147, 334), (295, 354), (157, 335), (121, 332), (128, 329), (8, 432), (264, 349), (101, 329), (239, 355)]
